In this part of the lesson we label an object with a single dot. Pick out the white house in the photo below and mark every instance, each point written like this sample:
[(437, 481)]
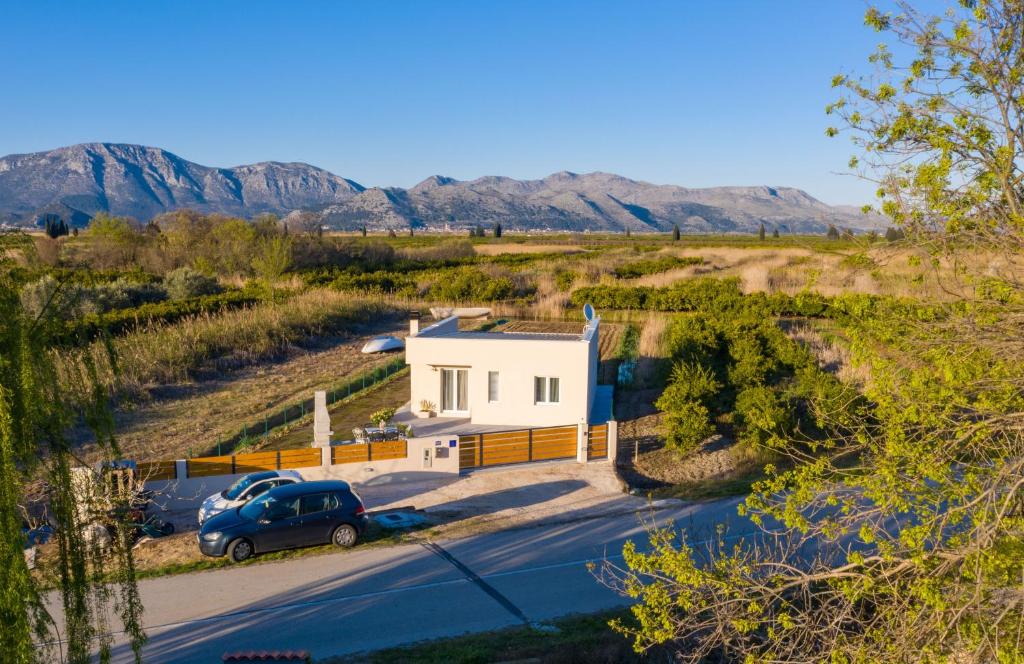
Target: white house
[(504, 378)]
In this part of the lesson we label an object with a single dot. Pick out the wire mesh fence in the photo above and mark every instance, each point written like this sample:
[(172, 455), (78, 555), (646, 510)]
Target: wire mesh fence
[(253, 433)]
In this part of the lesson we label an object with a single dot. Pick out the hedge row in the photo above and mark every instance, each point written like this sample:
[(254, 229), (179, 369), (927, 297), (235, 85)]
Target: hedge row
[(655, 265), (708, 294), (701, 294), (121, 320)]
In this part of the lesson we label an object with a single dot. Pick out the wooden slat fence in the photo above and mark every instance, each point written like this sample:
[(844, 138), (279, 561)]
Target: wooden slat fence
[(597, 442), (553, 443), (519, 446), (469, 451), (362, 452), (303, 458), (157, 470), (252, 462)]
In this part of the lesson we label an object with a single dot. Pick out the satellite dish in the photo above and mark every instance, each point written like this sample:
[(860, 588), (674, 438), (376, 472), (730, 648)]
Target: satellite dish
[(588, 311)]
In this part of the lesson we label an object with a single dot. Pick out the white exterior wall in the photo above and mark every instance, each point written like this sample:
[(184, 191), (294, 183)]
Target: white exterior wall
[(517, 360)]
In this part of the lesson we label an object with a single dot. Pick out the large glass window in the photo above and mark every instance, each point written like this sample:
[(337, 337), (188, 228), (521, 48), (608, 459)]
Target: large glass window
[(492, 386), (545, 389), (455, 390)]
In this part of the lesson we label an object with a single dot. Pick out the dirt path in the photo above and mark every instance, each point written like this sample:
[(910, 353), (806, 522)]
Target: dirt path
[(197, 415)]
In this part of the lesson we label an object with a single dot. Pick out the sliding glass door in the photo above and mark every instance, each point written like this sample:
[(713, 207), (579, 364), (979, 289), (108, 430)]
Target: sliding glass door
[(455, 390)]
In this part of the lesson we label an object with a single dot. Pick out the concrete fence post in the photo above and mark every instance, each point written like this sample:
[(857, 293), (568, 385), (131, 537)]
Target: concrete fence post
[(613, 440), (325, 456), (181, 469), (321, 420), (581, 442)]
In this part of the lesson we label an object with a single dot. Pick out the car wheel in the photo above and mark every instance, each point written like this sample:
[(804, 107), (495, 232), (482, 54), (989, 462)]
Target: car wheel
[(239, 550), (344, 536)]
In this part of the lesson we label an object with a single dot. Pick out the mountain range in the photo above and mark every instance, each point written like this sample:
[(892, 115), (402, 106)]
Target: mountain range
[(80, 181)]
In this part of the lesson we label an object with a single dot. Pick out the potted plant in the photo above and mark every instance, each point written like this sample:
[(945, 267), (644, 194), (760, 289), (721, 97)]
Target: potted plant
[(382, 416), (427, 408)]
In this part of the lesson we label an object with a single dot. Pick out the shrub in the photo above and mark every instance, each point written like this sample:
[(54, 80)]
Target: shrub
[(382, 415), (695, 339), (376, 282), (763, 417), (655, 265), (63, 300), (471, 284), (751, 363), (858, 261), (687, 426), (185, 283), (564, 280), (689, 382), (124, 294)]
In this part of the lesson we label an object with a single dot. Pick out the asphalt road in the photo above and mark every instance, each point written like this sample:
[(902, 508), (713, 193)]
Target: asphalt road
[(372, 598)]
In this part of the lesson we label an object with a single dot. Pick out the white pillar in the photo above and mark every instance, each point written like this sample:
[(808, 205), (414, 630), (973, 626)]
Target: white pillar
[(581, 442), (613, 440), (321, 420)]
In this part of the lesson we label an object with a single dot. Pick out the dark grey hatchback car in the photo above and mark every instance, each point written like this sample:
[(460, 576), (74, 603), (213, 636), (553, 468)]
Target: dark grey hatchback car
[(288, 517)]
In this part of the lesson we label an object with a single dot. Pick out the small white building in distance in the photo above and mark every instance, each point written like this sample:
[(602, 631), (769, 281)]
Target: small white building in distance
[(514, 379)]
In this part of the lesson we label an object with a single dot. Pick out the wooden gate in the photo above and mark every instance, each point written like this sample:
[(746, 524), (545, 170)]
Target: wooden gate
[(597, 442), (521, 446)]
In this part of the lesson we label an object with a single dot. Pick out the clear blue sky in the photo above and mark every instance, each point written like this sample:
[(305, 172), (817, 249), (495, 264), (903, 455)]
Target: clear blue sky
[(388, 92)]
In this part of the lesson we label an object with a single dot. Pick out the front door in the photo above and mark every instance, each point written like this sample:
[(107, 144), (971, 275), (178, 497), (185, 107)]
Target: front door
[(455, 391)]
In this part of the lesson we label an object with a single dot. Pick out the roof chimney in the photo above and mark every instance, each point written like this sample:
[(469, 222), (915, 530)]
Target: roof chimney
[(414, 323)]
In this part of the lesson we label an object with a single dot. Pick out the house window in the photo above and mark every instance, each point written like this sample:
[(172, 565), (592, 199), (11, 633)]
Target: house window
[(492, 386), (455, 390), (545, 389)]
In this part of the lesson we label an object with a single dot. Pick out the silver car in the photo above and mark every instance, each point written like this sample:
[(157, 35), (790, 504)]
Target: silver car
[(245, 489)]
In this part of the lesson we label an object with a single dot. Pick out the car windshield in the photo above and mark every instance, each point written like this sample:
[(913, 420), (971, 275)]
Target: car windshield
[(240, 485), (254, 509)]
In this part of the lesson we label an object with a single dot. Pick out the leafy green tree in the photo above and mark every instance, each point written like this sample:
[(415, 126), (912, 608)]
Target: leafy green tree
[(274, 258), (675, 233), (832, 233), (497, 229), (113, 242), (38, 405), (760, 233), (775, 233), (899, 536)]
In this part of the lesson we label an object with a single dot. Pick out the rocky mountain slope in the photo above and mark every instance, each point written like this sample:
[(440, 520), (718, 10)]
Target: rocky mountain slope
[(80, 181), (141, 182)]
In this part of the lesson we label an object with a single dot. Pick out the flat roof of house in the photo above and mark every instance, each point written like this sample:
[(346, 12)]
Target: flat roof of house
[(528, 336), (448, 329)]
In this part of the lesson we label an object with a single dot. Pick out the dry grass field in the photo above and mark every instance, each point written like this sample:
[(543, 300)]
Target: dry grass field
[(525, 248), (195, 414)]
